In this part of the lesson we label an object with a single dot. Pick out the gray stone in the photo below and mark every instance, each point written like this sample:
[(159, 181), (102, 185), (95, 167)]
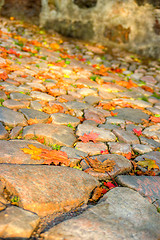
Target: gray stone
[(153, 144), (3, 95), (126, 136), (41, 96), (124, 214), (64, 119), (118, 148), (103, 135), (53, 134), (17, 223), (122, 165), (19, 96), (114, 120), (91, 148), (147, 186), (133, 115), (13, 104), (109, 126), (92, 100), (15, 132), (153, 132), (11, 152), (73, 154), (48, 189), (3, 133), (36, 105), (141, 149), (41, 117), (11, 118)]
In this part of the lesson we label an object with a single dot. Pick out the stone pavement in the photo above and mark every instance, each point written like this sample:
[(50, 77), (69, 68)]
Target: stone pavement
[(98, 107)]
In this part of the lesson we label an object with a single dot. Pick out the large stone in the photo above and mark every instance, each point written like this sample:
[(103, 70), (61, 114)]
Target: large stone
[(147, 186), (11, 118), (17, 223), (53, 134), (47, 189), (11, 152), (41, 117), (125, 214)]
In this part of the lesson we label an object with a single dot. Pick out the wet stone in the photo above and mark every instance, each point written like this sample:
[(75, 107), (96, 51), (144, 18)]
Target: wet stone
[(3, 133), (122, 165), (141, 149), (41, 117), (91, 148), (64, 119), (12, 104), (126, 136), (103, 135), (11, 118), (52, 133), (133, 115), (19, 96), (147, 186), (62, 188), (119, 148), (124, 214), (17, 223), (41, 96)]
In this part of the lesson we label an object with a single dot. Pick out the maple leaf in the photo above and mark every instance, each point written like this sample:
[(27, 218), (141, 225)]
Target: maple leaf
[(34, 151), (154, 119), (114, 114), (149, 163), (97, 194), (55, 157), (89, 137), (98, 166), (137, 132), (104, 152), (53, 109), (128, 155)]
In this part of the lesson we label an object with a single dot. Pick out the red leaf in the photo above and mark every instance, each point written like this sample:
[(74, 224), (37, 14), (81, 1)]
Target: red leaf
[(109, 185), (128, 155), (104, 152), (89, 137), (137, 132)]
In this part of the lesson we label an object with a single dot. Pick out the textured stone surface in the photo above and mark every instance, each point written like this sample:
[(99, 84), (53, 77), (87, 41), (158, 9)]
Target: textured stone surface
[(11, 118), (122, 165), (64, 119), (41, 117), (17, 223), (3, 133), (147, 186), (11, 152), (48, 189), (53, 134), (118, 217), (91, 148), (126, 136)]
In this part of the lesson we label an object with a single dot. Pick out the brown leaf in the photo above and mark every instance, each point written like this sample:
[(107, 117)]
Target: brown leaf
[(98, 166)]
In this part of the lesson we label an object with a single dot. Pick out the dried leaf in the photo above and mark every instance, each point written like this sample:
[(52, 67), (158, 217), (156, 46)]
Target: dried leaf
[(32, 121), (149, 163), (97, 194), (98, 166), (89, 137), (154, 119), (53, 109)]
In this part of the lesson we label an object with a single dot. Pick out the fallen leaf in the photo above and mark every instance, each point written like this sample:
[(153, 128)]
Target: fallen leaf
[(110, 185), (97, 194), (154, 119), (128, 155), (149, 163), (104, 152), (114, 114), (137, 132), (53, 109), (34, 151), (32, 121), (89, 137), (98, 166)]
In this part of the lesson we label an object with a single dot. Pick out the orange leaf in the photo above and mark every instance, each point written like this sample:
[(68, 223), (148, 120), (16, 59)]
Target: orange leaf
[(3, 75), (148, 89), (32, 121), (128, 155), (114, 114), (53, 109), (89, 137), (98, 192), (55, 157), (154, 119)]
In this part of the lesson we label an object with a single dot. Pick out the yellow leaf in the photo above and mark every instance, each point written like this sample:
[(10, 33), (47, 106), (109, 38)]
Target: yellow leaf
[(149, 163)]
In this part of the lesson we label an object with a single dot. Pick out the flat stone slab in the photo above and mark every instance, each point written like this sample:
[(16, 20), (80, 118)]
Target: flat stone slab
[(124, 214), (147, 186), (19, 96), (47, 189), (91, 148), (3, 133), (12, 118), (17, 223), (102, 134), (133, 115), (126, 136), (10, 152), (119, 148), (122, 165), (64, 119), (53, 134), (41, 117), (41, 96)]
